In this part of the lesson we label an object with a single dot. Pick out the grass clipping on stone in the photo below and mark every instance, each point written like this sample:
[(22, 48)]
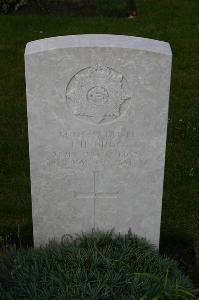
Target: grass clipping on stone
[(98, 265)]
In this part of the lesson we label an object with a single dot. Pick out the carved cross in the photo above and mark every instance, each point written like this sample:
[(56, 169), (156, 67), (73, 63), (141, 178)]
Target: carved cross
[(95, 195)]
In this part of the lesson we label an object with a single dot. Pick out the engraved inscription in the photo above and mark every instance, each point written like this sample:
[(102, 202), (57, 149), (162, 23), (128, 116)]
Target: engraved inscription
[(95, 195), (91, 159), (97, 94), (94, 149)]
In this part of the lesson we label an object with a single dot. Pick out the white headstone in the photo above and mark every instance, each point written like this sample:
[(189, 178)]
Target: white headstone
[(97, 120)]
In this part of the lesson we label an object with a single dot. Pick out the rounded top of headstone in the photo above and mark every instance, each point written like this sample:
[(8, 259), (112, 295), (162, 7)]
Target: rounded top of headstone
[(98, 40)]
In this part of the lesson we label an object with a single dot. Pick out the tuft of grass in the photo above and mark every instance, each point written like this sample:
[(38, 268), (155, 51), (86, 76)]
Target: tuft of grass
[(113, 7), (98, 265)]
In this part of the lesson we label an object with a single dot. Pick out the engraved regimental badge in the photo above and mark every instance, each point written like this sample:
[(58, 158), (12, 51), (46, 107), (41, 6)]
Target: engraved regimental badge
[(97, 94)]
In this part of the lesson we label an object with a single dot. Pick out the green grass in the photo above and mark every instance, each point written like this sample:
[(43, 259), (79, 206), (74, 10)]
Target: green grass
[(95, 266), (175, 21)]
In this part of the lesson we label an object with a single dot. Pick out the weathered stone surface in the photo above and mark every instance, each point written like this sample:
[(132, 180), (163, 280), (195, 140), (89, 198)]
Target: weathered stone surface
[(97, 119)]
